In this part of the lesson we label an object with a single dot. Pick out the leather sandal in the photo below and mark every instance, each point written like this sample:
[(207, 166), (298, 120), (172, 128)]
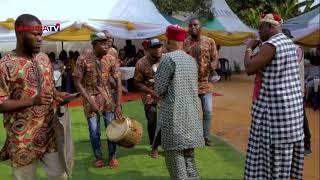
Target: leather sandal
[(114, 163), (154, 153), (99, 164)]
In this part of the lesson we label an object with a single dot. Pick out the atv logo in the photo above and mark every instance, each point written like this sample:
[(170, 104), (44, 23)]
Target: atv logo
[(52, 28)]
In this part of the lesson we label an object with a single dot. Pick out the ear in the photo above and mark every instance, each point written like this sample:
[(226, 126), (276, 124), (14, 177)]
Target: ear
[(19, 35)]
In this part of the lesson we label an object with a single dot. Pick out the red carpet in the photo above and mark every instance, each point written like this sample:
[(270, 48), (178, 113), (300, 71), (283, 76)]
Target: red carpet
[(131, 96), (217, 94)]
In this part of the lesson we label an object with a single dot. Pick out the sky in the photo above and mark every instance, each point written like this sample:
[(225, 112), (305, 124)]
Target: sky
[(315, 2)]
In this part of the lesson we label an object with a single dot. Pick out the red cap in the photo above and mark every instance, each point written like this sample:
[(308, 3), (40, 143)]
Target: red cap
[(176, 33), (272, 18), (145, 44)]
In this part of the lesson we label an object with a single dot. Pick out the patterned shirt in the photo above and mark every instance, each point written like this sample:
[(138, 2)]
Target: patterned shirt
[(96, 84), (30, 133), (144, 74), (113, 52), (179, 114), (206, 55)]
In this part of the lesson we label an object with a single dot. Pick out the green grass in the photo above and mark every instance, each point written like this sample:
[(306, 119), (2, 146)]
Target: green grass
[(220, 162)]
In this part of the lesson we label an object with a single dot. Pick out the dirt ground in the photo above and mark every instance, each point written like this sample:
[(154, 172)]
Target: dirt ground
[(231, 119)]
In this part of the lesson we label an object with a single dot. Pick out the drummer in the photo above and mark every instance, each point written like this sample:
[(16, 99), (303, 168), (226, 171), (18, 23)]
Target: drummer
[(91, 75), (144, 81)]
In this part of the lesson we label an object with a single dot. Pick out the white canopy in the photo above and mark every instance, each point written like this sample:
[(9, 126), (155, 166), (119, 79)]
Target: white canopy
[(125, 19), (227, 18), (305, 28)]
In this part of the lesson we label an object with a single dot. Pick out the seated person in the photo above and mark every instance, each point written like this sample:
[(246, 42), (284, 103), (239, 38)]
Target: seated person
[(311, 73), (122, 58), (130, 49), (312, 80)]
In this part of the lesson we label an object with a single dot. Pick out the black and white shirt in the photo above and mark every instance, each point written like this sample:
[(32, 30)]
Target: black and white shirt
[(280, 102)]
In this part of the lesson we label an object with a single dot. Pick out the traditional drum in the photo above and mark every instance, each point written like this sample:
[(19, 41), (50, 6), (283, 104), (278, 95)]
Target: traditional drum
[(126, 133)]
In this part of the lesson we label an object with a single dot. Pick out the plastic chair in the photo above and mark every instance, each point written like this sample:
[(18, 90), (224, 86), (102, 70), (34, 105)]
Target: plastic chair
[(224, 69)]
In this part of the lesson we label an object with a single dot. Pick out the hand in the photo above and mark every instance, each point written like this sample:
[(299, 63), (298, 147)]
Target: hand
[(42, 99), (214, 77), (124, 90), (112, 83), (68, 97), (118, 112), (253, 44), (94, 106), (154, 95), (58, 99), (59, 96)]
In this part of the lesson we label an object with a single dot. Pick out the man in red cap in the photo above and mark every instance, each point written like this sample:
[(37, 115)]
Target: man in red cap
[(204, 51), (275, 148), (176, 82)]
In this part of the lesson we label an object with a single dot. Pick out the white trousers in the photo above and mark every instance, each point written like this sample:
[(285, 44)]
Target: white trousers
[(52, 166)]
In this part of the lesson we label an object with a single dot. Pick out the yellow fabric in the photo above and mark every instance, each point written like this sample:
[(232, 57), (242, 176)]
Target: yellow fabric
[(9, 23), (228, 39), (71, 34), (223, 38), (313, 40), (83, 34), (129, 25), (162, 37)]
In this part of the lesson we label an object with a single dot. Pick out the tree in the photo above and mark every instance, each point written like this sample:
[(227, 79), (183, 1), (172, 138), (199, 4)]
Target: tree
[(250, 10), (170, 6), (201, 8)]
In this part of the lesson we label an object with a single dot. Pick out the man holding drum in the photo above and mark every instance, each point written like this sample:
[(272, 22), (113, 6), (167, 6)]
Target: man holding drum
[(144, 81), (92, 77)]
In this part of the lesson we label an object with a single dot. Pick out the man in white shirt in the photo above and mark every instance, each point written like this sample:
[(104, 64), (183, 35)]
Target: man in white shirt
[(58, 67)]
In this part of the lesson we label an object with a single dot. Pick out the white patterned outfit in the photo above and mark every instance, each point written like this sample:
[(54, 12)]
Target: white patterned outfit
[(179, 117), (276, 148)]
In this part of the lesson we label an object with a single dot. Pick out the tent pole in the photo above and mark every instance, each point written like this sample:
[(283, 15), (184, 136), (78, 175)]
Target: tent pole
[(62, 45)]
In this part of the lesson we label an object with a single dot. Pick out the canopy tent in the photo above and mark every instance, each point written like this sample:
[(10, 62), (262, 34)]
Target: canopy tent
[(125, 19), (305, 28), (226, 28), (175, 21)]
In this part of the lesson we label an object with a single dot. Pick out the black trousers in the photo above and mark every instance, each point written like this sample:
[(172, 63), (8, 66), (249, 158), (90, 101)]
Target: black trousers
[(151, 115), (307, 134)]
